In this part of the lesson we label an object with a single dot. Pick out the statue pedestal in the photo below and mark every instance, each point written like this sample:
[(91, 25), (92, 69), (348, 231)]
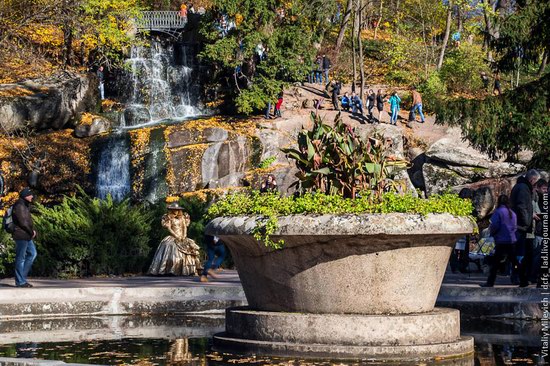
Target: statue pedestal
[(435, 334)]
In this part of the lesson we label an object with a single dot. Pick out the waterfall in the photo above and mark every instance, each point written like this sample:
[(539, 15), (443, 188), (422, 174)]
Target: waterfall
[(113, 168), (160, 83)]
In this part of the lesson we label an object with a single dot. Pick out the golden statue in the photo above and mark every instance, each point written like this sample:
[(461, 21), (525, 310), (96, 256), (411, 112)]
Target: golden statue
[(177, 254)]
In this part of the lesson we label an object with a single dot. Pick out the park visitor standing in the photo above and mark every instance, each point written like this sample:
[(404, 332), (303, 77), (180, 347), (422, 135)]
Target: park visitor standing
[(496, 86), (521, 202), (503, 229), (336, 87), (417, 105), (380, 100), (23, 235), (356, 103), (101, 78), (371, 98), (326, 68), (394, 107)]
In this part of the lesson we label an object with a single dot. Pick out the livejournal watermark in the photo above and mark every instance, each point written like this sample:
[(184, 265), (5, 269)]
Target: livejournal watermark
[(545, 277)]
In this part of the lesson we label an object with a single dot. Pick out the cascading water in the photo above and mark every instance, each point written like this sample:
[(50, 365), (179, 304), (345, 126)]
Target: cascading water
[(113, 168), (160, 84)]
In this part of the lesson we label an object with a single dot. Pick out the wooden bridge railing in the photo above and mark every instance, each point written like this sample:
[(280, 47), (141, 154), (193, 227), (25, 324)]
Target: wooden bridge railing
[(161, 21)]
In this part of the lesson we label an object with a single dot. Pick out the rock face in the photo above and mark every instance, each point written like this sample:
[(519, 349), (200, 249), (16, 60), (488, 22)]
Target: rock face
[(452, 162), (486, 192), (52, 103), (98, 125)]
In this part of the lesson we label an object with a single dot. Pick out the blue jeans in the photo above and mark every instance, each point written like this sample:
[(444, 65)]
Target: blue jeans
[(102, 90), (356, 107), (326, 76), (393, 119), (419, 108), (319, 77), (215, 257), (25, 253)]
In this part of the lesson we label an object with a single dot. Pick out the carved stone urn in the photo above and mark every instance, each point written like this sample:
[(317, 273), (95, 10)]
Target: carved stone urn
[(344, 286)]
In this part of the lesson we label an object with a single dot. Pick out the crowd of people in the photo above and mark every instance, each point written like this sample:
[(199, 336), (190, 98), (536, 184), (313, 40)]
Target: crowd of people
[(516, 229), (320, 74), (516, 226)]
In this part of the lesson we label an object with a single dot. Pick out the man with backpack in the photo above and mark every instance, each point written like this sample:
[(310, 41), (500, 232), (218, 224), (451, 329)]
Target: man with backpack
[(23, 233)]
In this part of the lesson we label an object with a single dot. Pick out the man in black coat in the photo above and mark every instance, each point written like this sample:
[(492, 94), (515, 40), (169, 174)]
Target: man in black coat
[(25, 251), (521, 202), (326, 68)]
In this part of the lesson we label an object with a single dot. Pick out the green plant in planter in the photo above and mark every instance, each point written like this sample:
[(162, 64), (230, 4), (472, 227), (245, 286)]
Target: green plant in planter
[(334, 160), (269, 206), (338, 174)]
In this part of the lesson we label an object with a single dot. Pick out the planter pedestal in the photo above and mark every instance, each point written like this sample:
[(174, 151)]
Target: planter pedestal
[(350, 286), (435, 334)]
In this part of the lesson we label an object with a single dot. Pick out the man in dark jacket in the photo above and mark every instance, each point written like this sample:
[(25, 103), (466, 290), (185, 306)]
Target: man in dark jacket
[(336, 87), (326, 68), (25, 251), (521, 200)]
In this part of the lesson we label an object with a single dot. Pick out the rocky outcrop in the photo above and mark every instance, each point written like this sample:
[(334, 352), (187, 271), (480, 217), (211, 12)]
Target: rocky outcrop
[(452, 162), (486, 193), (51, 103), (97, 126)]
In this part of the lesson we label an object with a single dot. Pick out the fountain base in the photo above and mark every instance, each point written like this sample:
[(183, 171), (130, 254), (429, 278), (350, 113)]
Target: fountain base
[(431, 335)]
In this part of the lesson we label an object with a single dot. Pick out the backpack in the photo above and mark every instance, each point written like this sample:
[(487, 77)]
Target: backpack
[(7, 221)]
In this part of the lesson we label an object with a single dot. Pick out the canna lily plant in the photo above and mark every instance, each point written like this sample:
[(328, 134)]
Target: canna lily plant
[(334, 160)]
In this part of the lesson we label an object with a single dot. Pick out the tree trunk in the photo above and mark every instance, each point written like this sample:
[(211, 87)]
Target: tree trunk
[(397, 16), (343, 27), (379, 18), (459, 19), (543, 63), (353, 83), (360, 45), (447, 34)]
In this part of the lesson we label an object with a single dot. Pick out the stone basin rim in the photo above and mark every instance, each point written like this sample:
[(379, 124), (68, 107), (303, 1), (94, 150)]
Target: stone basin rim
[(347, 224)]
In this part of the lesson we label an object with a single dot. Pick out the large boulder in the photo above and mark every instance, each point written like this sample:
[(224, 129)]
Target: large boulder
[(451, 161), (271, 142), (97, 126), (136, 115), (51, 103), (486, 193), (439, 178)]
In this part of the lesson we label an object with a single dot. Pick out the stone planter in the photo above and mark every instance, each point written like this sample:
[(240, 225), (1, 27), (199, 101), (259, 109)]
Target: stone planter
[(384, 269)]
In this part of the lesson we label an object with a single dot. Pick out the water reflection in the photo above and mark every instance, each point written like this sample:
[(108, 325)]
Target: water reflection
[(186, 341)]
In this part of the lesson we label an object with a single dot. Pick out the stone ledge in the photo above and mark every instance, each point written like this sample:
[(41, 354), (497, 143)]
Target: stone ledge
[(438, 326), (116, 301), (462, 348), (8, 361)]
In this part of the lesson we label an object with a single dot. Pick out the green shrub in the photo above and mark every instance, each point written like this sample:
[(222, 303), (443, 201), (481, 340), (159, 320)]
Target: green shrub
[(7, 254), (87, 236), (272, 205), (432, 89), (264, 164), (461, 69)]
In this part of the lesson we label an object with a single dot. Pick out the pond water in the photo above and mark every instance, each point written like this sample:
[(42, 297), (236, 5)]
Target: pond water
[(186, 340)]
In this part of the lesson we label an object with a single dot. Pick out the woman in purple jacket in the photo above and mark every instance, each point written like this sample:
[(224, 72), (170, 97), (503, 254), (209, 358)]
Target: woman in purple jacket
[(503, 229)]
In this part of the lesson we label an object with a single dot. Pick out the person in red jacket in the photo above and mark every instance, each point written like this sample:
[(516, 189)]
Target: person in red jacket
[(278, 105), (25, 251)]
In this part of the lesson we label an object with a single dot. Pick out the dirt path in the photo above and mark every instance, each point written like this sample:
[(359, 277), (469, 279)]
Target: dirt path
[(294, 115)]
